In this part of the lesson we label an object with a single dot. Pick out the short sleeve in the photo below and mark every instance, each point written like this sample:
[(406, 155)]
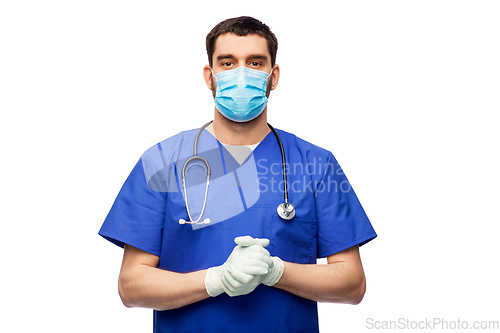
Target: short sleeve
[(342, 222), (137, 215)]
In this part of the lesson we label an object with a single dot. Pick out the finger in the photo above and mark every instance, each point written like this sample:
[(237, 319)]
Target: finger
[(244, 240), (252, 258), (254, 270), (256, 263), (259, 249), (227, 288), (249, 240), (228, 282), (242, 290), (262, 241), (235, 277)]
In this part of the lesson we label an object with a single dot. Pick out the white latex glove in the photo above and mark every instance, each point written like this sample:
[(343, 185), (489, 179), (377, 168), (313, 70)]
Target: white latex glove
[(249, 241), (275, 272), (237, 275), (269, 279), (213, 283), (247, 266)]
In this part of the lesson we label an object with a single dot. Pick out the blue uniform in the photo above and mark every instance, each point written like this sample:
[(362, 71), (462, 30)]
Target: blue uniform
[(242, 200)]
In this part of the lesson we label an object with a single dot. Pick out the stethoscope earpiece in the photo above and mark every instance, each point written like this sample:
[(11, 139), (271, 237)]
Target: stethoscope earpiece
[(205, 221)]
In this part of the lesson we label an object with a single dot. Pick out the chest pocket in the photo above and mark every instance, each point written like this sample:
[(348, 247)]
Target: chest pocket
[(293, 240)]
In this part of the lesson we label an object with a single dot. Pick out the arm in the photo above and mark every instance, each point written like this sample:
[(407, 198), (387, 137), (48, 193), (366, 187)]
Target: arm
[(342, 280), (142, 284)]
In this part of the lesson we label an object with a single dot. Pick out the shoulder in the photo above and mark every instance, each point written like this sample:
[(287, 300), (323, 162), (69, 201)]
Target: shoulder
[(173, 142), (161, 157)]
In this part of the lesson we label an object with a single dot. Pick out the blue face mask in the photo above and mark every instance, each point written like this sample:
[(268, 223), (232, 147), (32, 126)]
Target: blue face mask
[(241, 93)]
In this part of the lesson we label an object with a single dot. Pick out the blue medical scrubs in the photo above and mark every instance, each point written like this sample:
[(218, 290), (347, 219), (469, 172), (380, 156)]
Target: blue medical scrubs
[(242, 200)]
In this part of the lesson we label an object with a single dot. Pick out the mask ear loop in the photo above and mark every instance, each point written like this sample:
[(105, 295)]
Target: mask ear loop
[(271, 72), (267, 95), (212, 81)]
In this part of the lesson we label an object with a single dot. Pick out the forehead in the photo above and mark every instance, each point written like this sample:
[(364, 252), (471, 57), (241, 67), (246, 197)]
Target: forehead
[(240, 46)]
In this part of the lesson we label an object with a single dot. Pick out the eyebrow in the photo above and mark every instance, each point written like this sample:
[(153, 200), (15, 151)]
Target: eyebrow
[(230, 56)]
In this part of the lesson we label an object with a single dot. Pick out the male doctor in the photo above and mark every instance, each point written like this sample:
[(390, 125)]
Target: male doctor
[(254, 271)]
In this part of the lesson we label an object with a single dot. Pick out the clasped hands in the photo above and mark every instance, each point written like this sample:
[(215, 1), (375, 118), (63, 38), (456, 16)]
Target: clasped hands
[(249, 265)]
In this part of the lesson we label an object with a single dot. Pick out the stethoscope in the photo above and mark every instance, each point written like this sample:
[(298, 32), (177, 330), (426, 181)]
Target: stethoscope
[(285, 210)]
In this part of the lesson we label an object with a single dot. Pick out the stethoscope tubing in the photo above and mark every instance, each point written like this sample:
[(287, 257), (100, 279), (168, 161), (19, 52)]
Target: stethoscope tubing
[(283, 162), (185, 168), (285, 210)]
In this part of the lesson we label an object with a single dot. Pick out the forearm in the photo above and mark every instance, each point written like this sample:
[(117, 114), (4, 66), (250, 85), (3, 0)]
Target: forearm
[(151, 287), (336, 282)]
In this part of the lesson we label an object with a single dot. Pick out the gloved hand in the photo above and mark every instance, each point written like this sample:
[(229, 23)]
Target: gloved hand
[(243, 271), (277, 267), (275, 272), (236, 282), (246, 267), (233, 278), (213, 282)]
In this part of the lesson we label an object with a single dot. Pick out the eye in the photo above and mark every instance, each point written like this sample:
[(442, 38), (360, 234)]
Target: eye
[(227, 64), (255, 64)]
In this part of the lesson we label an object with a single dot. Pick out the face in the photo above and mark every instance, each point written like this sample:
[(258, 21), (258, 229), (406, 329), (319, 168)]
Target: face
[(232, 51)]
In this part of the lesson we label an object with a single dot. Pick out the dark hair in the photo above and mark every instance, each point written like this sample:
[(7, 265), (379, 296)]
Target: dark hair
[(242, 26)]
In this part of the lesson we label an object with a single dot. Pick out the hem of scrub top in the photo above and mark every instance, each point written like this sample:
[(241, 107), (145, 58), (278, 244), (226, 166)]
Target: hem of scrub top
[(121, 243), (360, 241)]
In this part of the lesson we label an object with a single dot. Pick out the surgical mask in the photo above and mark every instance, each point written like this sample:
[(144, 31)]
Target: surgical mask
[(241, 93)]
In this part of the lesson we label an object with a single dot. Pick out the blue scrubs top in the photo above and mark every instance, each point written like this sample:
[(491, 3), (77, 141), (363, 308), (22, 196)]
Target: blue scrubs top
[(242, 200)]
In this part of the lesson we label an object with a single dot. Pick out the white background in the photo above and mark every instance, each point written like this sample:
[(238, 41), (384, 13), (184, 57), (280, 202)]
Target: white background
[(404, 93)]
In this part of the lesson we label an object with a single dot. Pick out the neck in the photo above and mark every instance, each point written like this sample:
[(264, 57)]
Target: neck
[(234, 133)]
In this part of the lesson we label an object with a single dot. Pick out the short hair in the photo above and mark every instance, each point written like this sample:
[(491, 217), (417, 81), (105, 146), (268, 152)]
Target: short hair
[(242, 26)]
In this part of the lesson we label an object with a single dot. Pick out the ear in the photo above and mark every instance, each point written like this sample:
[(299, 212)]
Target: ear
[(275, 76), (207, 76)]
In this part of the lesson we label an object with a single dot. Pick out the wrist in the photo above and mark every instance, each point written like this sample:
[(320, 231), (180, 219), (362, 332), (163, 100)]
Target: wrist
[(213, 282), (275, 273)]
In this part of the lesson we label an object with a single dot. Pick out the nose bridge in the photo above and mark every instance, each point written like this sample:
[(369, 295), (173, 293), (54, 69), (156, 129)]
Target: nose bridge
[(241, 76)]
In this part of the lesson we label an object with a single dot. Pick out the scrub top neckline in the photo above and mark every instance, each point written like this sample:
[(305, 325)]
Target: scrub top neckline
[(256, 148), (251, 147), (240, 152)]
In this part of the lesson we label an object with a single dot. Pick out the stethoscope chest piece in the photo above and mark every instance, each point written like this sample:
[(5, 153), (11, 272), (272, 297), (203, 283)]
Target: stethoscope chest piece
[(286, 211)]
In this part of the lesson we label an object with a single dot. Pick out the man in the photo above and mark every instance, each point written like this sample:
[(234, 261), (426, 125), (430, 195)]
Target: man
[(220, 258)]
